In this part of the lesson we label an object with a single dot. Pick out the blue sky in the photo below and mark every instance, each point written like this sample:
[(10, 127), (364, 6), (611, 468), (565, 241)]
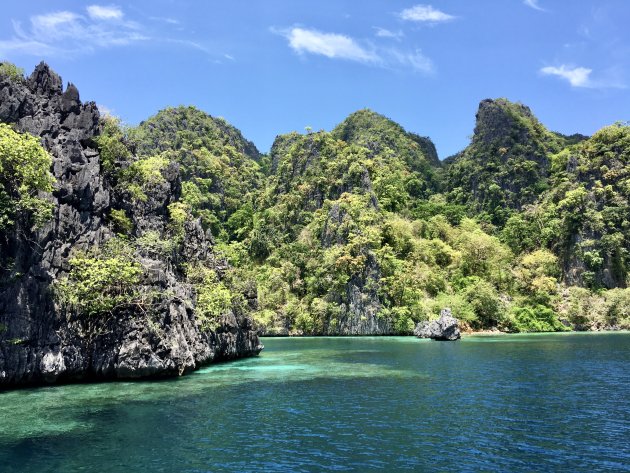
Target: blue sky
[(273, 66)]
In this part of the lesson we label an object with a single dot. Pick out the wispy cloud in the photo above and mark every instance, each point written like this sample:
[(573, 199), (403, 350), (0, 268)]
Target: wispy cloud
[(534, 4), (425, 14), (576, 76), (105, 110), (170, 21), (339, 46), (100, 12), (331, 45), (609, 78), (66, 33), (415, 60), (385, 33)]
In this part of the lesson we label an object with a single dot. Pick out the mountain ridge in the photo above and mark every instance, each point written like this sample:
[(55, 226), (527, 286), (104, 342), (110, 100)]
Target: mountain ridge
[(358, 231)]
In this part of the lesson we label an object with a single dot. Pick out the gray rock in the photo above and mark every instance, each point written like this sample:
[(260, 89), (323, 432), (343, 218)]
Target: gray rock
[(444, 328), (39, 342)]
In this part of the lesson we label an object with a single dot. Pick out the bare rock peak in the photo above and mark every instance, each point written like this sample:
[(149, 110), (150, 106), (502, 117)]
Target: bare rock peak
[(45, 81)]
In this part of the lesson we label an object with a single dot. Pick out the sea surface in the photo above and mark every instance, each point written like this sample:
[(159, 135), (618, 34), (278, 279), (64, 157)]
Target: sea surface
[(514, 403)]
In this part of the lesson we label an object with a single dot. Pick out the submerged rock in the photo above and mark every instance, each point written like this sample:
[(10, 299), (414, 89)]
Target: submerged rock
[(444, 328)]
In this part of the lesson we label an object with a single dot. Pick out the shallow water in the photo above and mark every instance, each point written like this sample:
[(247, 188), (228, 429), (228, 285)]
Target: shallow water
[(551, 402)]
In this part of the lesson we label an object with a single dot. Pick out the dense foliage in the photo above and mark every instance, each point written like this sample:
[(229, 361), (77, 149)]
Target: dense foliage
[(219, 168), (507, 164), (24, 176), (585, 216), (102, 280), (11, 71), (364, 227)]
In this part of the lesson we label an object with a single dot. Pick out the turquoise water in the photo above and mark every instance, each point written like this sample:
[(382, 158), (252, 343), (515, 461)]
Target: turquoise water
[(558, 402)]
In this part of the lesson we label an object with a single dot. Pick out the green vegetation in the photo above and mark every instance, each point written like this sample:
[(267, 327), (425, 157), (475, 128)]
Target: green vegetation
[(507, 164), (121, 223), (24, 176), (214, 298), (11, 71), (102, 280), (387, 140), (112, 143), (143, 175), (219, 168), (525, 230), (585, 216)]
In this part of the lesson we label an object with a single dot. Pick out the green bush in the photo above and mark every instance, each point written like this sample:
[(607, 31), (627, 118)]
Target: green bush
[(11, 71), (536, 319), (618, 307), (152, 243), (111, 143), (101, 281), (24, 174), (214, 298), (142, 175), (120, 222)]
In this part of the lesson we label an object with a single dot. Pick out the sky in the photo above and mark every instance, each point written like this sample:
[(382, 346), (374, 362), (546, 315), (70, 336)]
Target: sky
[(274, 66)]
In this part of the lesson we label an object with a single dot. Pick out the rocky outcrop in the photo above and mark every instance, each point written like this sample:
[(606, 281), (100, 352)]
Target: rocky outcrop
[(507, 165), (444, 328), (42, 343), (360, 304)]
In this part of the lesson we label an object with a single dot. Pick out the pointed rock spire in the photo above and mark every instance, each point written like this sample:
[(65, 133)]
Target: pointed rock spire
[(44, 81)]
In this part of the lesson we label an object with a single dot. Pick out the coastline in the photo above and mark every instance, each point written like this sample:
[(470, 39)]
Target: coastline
[(471, 333)]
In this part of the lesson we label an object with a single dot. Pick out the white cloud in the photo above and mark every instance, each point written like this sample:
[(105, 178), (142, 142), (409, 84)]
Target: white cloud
[(385, 33), (339, 46), (415, 60), (170, 21), (425, 14), (533, 4), (610, 78), (577, 76), (100, 12), (331, 45), (54, 20), (51, 27), (27, 47), (68, 33)]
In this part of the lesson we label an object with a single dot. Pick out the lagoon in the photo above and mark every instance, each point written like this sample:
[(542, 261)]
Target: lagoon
[(534, 402)]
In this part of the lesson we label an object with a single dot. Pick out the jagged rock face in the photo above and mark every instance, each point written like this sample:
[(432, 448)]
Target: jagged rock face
[(39, 343), (280, 147), (446, 328), (507, 164), (496, 123)]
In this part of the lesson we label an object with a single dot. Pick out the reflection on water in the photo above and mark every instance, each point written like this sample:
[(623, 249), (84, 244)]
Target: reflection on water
[(494, 403)]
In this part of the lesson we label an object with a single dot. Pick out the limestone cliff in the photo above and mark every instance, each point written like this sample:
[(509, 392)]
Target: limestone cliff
[(40, 341)]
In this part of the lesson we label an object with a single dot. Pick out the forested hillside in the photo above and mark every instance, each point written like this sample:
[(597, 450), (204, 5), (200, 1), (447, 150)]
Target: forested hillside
[(363, 230)]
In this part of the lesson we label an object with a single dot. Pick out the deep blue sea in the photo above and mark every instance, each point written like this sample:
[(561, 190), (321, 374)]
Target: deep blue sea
[(512, 403)]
